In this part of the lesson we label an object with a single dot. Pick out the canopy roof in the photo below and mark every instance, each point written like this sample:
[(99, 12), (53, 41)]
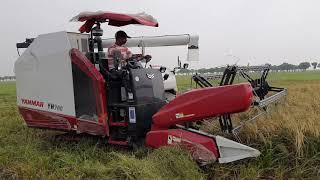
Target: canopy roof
[(113, 19)]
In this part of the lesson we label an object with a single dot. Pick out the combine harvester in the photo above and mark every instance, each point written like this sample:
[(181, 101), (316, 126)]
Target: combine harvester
[(64, 83)]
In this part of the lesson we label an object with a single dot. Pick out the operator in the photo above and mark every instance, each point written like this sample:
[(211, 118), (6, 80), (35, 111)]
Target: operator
[(122, 51)]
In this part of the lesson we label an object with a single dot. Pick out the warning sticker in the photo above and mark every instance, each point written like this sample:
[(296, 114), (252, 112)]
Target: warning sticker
[(181, 115), (173, 139)]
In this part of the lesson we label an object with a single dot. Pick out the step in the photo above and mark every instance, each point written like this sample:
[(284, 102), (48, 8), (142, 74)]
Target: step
[(123, 104), (117, 142), (120, 124)]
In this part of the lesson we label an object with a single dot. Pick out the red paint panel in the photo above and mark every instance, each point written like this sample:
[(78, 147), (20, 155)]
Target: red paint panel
[(80, 60), (204, 103), (201, 147), (115, 142), (114, 19), (45, 119), (49, 120), (90, 127)]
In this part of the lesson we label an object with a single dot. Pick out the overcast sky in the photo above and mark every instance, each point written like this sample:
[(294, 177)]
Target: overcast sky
[(256, 31)]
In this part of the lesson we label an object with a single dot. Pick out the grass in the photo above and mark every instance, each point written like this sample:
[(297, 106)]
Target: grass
[(36, 154), (288, 138), (296, 76)]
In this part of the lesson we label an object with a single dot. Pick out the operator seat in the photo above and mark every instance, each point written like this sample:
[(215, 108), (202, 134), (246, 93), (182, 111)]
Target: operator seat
[(109, 67)]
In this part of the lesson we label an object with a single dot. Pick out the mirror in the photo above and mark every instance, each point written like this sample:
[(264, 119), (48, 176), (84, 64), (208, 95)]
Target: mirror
[(185, 66), (163, 69), (147, 60), (166, 76)]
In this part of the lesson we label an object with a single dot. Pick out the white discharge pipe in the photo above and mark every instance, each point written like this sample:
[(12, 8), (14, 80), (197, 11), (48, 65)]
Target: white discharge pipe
[(157, 41)]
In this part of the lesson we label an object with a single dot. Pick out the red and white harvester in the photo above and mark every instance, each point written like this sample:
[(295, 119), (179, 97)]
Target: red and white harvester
[(64, 83)]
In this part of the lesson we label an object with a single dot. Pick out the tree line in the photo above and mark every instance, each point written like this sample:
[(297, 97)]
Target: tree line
[(282, 67), (7, 78)]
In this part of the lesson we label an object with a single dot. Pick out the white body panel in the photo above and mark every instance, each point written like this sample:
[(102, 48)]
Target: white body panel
[(171, 82), (44, 73)]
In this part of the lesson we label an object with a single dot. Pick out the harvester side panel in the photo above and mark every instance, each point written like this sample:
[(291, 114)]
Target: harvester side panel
[(58, 87), (45, 119), (44, 75), (90, 97)]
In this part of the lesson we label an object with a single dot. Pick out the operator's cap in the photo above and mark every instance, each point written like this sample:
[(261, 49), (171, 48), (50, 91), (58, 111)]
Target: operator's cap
[(120, 34)]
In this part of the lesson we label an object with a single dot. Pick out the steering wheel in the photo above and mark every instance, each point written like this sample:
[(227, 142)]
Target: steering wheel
[(132, 63)]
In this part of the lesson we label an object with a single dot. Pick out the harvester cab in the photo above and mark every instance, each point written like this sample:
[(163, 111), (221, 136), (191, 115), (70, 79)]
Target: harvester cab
[(64, 82)]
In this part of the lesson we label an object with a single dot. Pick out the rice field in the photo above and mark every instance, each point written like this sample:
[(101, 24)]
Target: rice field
[(288, 137)]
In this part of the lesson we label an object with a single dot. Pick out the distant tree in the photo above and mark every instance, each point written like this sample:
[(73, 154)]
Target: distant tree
[(191, 71), (318, 65), (286, 66), (211, 70), (202, 70), (220, 69), (274, 68), (283, 66), (304, 65), (314, 64), (293, 67)]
